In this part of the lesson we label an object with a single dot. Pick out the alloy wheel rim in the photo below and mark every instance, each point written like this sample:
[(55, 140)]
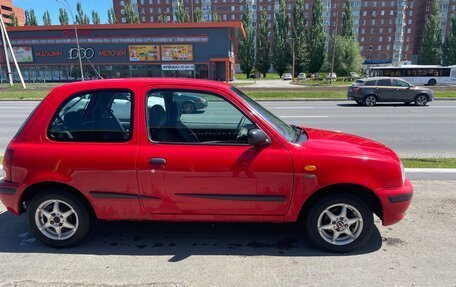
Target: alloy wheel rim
[(340, 224), (370, 101), (188, 108), (56, 219), (421, 100)]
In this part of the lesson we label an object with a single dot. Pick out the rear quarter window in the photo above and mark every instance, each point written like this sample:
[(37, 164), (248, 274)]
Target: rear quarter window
[(97, 116), (370, 83)]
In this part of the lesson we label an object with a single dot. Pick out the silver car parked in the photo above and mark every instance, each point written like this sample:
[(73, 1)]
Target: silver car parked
[(369, 91)]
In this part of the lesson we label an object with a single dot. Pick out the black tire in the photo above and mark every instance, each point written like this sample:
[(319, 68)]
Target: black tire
[(432, 82), (364, 228), (421, 100), (370, 101), (81, 216), (188, 108), (360, 102)]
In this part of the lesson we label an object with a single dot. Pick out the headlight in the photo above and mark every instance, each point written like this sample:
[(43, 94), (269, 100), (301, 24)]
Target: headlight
[(403, 173)]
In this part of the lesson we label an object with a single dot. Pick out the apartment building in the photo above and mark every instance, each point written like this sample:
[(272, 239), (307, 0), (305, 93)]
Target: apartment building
[(388, 31), (7, 8)]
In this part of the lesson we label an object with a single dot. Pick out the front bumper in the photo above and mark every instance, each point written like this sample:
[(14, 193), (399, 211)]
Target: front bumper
[(9, 196), (395, 202)]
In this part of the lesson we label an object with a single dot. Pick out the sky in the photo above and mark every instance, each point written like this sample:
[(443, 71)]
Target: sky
[(40, 6)]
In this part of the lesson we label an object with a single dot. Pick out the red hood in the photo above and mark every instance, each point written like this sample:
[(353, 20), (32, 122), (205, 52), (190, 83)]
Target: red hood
[(346, 143)]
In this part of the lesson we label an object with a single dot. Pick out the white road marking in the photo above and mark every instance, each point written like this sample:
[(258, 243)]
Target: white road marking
[(290, 108), (292, 117), (430, 170)]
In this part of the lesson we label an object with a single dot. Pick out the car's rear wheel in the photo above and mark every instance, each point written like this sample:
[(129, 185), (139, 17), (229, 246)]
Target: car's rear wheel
[(340, 223), (58, 219), (421, 100), (188, 108), (432, 82), (370, 101)]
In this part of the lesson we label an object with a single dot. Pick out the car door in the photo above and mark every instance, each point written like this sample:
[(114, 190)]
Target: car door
[(385, 92), (404, 92), (201, 164)]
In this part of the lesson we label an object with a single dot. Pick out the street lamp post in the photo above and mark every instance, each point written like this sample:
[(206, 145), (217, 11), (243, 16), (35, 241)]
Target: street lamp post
[(334, 44), (65, 3)]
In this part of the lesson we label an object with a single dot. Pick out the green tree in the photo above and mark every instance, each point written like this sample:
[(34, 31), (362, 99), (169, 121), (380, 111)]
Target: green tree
[(181, 15), (347, 55), (47, 18), (299, 37), (30, 18), (281, 48), (431, 48), (246, 48), (197, 15), (347, 21), (63, 17), (14, 21), (81, 17), (216, 17), (95, 18), (163, 18), (317, 38), (131, 15), (263, 59), (112, 19), (449, 48)]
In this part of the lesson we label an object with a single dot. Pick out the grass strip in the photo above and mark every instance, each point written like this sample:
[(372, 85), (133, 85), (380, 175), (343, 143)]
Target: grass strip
[(429, 162)]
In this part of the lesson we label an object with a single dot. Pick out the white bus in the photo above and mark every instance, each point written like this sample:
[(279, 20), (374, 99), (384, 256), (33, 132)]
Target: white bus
[(418, 75)]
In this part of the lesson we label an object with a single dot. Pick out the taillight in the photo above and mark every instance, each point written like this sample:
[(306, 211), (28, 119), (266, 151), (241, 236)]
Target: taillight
[(356, 89), (7, 164)]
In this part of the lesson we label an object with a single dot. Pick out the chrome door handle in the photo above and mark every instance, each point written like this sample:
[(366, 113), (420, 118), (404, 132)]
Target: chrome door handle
[(157, 161)]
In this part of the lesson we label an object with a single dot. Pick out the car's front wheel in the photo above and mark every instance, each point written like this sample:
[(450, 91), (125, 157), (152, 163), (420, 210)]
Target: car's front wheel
[(421, 100), (188, 108), (58, 219), (339, 223)]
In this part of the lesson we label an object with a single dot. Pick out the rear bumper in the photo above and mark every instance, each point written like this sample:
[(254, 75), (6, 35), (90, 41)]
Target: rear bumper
[(9, 196), (395, 201)]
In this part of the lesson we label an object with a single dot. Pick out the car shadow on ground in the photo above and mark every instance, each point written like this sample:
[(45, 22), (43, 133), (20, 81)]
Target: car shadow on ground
[(178, 240), (379, 105)]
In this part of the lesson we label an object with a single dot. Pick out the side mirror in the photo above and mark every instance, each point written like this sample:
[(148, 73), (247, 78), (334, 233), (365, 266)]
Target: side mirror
[(257, 138)]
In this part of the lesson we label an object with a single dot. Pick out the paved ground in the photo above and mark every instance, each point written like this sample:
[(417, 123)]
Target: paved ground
[(411, 131), (419, 251)]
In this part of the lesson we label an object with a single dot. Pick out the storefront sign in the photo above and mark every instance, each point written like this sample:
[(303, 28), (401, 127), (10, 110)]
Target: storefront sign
[(177, 52), (86, 53), (144, 53), (23, 54), (112, 53), (178, 67), (51, 54)]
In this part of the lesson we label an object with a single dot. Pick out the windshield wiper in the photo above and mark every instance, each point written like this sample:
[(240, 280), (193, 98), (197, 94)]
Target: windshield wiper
[(298, 131)]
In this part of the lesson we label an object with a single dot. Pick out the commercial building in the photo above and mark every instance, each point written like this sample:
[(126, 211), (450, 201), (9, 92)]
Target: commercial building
[(388, 31), (6, 11), (195, 50)]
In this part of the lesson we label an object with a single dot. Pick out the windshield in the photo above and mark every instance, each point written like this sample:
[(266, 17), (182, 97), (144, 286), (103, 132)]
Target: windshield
[(283, 128)]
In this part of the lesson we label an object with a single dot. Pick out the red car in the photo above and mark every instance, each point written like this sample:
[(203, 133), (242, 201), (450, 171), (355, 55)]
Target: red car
[(123, 150)]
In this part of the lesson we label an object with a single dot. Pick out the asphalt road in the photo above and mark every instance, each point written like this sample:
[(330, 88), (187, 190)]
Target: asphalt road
[(411, 131), (418, 251)]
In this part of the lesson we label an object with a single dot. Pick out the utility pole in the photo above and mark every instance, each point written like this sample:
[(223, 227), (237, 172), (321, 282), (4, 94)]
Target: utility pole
[(294, 59), (8, 66), (334, 44), (65, 3), (5, 38)]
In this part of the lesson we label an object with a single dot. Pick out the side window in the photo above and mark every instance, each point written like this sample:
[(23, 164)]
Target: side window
[(384, 83), (103, 116), (194, 117), (370, 83), (398, 83)]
